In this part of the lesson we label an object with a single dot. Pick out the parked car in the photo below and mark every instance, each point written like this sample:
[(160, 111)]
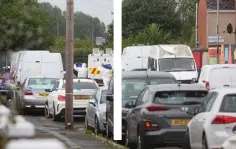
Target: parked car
[(83, 89), (218, 76), (133, 82), (96, 111), (214, 121), (32, 95)]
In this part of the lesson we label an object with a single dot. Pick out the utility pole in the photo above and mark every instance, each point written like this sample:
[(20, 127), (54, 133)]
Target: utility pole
[(69, 64), (196, 25), (217, 30)]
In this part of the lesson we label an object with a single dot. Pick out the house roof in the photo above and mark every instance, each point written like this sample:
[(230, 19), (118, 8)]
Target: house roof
[(224, 4)]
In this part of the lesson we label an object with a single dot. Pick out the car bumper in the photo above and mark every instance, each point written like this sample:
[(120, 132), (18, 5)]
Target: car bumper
[(215, 139), (34, 102), (164, 137), (78, 110)]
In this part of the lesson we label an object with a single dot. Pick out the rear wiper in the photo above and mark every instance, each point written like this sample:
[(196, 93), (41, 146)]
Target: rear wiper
[(191, 102)]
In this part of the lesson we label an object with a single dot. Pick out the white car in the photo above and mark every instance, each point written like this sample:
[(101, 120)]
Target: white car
[(229, 143), (214, 121), (96, 111), (35, 144), (83, 89)]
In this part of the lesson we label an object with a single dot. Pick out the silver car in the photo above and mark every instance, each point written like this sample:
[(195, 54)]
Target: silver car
[(33, 94), (96, 111)]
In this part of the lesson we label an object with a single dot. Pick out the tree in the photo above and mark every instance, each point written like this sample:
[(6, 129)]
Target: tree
[(23, 25)]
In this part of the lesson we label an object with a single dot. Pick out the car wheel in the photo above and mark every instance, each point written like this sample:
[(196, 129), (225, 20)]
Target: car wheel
[(86, 126), (54, 116), (186, 142), (96, 126), (141, 144), (127, 142), (108, 133), (204, 142), (47, 112)]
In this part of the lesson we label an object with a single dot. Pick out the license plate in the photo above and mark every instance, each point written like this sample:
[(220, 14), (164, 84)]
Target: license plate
[(43, 95), (179, 122), (82, 97)]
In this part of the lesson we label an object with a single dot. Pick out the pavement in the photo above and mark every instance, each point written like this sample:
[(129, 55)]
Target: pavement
[(77, 139)]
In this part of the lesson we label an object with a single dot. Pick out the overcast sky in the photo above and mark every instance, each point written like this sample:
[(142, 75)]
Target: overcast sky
[(96, 8)]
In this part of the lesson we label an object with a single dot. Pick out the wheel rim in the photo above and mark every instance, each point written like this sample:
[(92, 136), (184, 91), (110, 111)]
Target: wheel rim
[(86, 123), (127, 138), (107, 131), (46, 111), (204, 143), (96, 127), (139, 142)]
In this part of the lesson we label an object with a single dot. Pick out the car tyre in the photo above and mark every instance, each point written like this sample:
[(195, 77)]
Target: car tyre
[(127, 142), (54, 116), (86, 125), (204, 142), (108, 133), (96, 126), (141, 144), (186, 141), (47, 112)]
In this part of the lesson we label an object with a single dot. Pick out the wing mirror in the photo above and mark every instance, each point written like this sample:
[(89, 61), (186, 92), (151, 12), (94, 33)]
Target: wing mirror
[(110, 97), (129, 104), (54, 89), (92, 102), (193, 111)]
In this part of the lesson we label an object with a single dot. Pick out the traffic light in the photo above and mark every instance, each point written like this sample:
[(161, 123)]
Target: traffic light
[(229, 28)]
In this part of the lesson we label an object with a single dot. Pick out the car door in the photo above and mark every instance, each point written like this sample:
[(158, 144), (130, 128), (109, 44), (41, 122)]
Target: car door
[(133, 117), (95, 107), (88, 110), (52, 96)]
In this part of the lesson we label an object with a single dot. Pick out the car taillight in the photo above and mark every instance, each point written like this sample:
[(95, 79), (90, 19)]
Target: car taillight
[(156, 108), (28, 93), (151, 127), (207, 84), (223, 119), (61, 98)]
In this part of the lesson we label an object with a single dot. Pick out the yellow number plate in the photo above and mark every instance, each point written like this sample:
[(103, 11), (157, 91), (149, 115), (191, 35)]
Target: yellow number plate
[(43, 95), (179, 122), (82, 97)]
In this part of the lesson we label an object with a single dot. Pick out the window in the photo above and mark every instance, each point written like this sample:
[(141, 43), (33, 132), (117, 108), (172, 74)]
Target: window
[(229, 103), (179, 97), (132, 87), (83, 85), (41, 82), (211, 101), (205, 102), (103, 98), (162, 81), (139, 101)]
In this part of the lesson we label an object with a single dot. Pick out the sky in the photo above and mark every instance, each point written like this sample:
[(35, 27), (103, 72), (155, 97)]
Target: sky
[(96, 8)]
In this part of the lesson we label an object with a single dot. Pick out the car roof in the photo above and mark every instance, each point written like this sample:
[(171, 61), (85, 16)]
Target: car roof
[(225, 90), (146, 74), (171, 87)]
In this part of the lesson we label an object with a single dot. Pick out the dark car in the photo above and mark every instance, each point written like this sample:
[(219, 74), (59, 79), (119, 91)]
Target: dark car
[(133, 82), (158, 117)]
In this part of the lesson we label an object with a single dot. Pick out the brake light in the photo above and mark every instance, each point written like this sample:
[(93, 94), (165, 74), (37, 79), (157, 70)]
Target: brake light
[(61, 98), (156, 108), (28, 93), (207, 84), (223, 119), (151, 127)]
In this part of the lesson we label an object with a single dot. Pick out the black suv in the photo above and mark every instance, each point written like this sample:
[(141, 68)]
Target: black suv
[(133, 82)]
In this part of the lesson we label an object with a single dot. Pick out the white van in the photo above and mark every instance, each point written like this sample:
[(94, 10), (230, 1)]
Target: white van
[(39, 63), (218, 75)]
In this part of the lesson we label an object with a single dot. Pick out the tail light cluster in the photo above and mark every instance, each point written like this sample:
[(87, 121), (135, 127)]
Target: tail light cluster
[(28, 93), (207, 84), (150, 126), (61, 98), (224, 119), (156, 108)]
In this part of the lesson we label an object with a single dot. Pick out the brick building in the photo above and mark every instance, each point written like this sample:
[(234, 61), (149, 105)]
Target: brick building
[(207, 21)]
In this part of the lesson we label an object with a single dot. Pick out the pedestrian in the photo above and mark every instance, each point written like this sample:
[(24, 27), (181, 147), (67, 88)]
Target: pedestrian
[(82, 70), (106, 72)]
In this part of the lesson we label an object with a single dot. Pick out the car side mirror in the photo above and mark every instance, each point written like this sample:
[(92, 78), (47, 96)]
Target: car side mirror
[(129, 104), (54, 89), (193, 111), (92, 102), (110, 97), (48, 90)]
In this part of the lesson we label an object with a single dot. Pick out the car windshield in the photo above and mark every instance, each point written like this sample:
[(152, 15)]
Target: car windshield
[(41, 82), (176, 64), (103, 97), (133, 87), (82, 85), (229, 104), (179, 97)]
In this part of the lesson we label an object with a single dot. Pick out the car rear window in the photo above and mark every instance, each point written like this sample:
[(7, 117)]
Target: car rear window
[(162, 81), (83, 85), (222, 75), (229, 104), (42, 82), (179, 97)]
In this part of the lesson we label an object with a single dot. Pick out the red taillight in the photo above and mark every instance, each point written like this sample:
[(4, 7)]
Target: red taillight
[(223, 119), (156, 108), (207, 84), (61, 98), (28, 93), (151, 127)]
